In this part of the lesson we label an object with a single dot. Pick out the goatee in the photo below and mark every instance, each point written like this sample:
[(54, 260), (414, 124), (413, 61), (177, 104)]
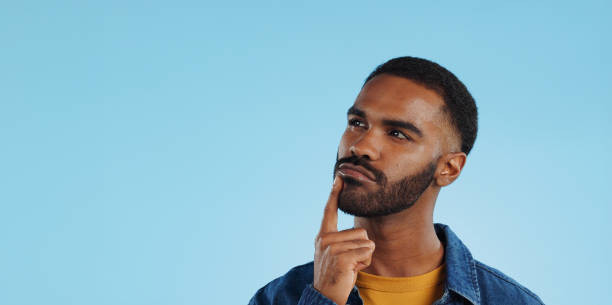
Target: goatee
[(390, 198)]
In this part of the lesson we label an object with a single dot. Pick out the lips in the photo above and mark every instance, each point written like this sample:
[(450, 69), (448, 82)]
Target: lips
[(353, 170)]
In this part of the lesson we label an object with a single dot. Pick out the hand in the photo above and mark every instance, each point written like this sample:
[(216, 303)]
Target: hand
[(339, 256)]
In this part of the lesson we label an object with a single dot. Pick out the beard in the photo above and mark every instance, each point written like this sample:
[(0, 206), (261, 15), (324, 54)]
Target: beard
[(390, 198)]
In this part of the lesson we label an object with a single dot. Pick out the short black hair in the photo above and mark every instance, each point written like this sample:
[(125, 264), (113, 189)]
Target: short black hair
[(459, 103)]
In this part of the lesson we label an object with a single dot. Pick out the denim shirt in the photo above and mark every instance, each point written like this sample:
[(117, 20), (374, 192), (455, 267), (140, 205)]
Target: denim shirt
[(468, 281)]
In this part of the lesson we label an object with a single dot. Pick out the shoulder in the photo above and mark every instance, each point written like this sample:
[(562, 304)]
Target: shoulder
[(498, 288), (285, 289)]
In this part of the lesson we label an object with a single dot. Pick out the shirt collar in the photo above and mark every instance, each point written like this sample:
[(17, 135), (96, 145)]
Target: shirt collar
[(460, 265), (460, 268)]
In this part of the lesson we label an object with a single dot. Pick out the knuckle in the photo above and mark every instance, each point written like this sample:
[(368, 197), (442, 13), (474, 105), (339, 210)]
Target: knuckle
[(318, 239), (321, 240), (325, 250), (361, 231)]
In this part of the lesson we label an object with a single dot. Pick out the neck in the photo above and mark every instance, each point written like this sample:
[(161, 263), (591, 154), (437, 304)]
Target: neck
[(406, 242)]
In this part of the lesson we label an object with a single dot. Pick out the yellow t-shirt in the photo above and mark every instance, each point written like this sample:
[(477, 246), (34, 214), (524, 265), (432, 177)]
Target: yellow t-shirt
[(414, 290)]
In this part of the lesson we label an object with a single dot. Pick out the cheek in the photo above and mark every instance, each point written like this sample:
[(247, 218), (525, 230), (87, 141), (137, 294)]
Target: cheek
[(399, 170), (421, 150), (408, 163)]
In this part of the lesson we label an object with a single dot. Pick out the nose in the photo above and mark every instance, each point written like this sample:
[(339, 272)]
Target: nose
[(366, 146)]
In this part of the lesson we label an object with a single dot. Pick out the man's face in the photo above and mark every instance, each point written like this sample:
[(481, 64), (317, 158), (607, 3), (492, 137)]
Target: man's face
[(396, 131)]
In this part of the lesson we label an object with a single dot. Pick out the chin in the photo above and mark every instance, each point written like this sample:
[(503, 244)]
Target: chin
[(353, 212), (363, 213), (348, 206)]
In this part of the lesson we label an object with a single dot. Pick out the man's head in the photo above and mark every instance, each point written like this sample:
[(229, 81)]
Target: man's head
[(410, 129)]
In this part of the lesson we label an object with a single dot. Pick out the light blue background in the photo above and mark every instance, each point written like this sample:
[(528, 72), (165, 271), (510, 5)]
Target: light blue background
[(181, 152)]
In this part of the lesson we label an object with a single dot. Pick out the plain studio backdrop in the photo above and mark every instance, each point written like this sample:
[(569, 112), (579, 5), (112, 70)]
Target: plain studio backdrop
[(182, 152)]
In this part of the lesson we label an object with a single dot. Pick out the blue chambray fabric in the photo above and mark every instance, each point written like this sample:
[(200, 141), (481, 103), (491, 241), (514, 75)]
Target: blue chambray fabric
[(468, 281)]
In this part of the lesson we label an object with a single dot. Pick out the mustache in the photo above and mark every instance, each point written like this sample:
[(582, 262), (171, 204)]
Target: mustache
[(379, 176)]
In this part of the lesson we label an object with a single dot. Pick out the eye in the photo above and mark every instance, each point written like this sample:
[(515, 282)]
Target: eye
[(355, 122), (399, 134)]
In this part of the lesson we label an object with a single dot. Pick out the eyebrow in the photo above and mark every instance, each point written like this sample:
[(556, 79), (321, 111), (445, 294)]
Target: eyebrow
[(387, 122)]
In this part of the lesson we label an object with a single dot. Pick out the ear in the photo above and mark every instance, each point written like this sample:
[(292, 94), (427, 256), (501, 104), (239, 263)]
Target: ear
[(449, 168)]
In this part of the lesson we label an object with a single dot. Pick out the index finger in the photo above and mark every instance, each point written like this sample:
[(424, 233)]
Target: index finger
[(330, 213)]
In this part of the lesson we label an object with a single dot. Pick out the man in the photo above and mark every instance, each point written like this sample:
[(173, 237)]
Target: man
[(408, 135)]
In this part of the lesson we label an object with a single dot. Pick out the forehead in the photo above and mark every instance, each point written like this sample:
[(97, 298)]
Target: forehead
[(393, 97)]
